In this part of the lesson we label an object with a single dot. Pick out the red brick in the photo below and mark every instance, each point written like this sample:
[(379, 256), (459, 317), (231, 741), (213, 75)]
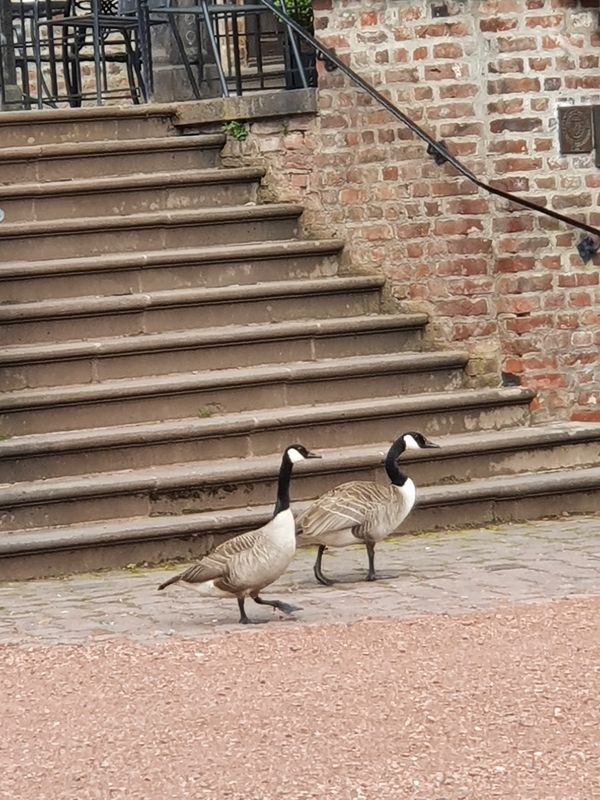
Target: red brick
[(458, 90), (585, 416), (522, 244), (580, 299), (518, 304), (514, 105), (453, 187), (496, 24), (589, 62), (451, 111), (457, 227), (475, 205), (462, 331), (513, 85), (420, 53), (512, 224), (540, 64), (464, 307), (446, 72), (509, 146), (506, 65), (560, 202), (517, 124), (515, 264), (518, 284), (368, 18), (503, 165), (423, 93), (462, 266), (469, 245), (533, 322), (549, 21), (449, 29), (448, 50), (459, 129), (579, 279), (512, 44)]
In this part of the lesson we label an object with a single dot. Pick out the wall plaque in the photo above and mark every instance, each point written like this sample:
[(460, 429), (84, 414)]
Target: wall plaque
[(575, 129)]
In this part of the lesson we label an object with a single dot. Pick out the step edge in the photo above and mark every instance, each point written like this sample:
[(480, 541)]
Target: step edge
[(101, 305), (111, 346), (157, 259), (299, 372), (97, 147), (197, 216), (129, 183), (24, 542)]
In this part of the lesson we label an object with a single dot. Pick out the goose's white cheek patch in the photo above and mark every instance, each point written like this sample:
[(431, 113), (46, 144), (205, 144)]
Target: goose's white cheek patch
[(410, 443), (294, 456)]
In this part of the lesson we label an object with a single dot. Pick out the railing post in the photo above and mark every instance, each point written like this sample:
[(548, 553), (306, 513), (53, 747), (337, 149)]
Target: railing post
[(10, 93)]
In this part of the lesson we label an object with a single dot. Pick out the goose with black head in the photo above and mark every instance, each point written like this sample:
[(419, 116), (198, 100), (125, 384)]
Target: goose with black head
[(362, 512), (243, 566)]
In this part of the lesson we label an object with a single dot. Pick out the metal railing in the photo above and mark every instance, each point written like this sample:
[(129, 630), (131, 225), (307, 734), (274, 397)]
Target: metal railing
[(586, 247), (245, 46)]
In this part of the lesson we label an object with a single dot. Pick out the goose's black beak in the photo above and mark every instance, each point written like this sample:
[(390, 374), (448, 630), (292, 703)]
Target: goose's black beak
[(427, 443), (310, 454)]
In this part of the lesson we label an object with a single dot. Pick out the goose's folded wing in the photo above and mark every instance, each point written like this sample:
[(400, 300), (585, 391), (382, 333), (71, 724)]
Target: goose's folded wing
[(348, 506), (216, 564)]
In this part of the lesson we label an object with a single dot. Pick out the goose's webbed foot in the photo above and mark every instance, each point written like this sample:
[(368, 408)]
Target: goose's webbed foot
[(277, 605)]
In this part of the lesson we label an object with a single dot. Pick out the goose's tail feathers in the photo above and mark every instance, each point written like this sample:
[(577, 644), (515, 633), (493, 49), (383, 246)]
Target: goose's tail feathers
[(164, 585)]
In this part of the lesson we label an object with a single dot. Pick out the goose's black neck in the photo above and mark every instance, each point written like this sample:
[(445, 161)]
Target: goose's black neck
[(283, 486), (397, 477)]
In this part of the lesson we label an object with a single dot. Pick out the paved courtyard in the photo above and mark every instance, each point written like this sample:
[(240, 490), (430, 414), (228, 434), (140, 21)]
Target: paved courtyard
[(471, 671), (451, 573)]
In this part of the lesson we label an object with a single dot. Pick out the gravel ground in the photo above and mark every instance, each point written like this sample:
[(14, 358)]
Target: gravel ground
[(495, 704)]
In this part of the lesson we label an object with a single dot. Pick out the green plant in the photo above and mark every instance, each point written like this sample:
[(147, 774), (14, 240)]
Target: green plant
[(301, 11), (237, 129)]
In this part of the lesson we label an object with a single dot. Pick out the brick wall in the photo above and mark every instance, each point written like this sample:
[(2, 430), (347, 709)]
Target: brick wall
[(487, 79)]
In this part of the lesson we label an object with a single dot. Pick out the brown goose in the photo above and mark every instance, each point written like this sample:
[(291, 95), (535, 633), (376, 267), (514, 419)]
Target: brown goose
[(362, 511), (243, 566)]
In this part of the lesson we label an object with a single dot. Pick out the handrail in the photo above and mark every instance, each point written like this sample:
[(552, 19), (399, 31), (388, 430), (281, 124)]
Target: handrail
[(587, 247)]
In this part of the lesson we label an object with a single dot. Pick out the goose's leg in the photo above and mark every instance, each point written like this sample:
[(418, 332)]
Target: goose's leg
[(317, 568), (285, 608), (371, 574), (245, 620)]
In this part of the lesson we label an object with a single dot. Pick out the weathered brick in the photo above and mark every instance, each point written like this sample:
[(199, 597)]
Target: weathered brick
[(519, 124), (547, 21), (513, 85), (496, 24), (512, 44), (504, 65), (448, 50)]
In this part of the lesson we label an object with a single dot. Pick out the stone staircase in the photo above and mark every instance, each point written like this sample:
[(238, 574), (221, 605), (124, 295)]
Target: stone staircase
[(164, 337)]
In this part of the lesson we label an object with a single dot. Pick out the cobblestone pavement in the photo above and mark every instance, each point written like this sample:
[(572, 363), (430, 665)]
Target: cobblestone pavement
[(452, 573)]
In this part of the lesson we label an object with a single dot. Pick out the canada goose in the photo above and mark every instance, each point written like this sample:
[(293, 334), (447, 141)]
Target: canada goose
[(362, 511), (244, 565)]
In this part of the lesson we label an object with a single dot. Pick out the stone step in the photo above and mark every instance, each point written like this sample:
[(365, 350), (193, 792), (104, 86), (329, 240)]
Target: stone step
[(55, 550), (68, 363), (180, 488), (85, 124), (72, 160), (227, 390), (175, 309), (70, 238), (201, 439), (168, 268), (129, 194)]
